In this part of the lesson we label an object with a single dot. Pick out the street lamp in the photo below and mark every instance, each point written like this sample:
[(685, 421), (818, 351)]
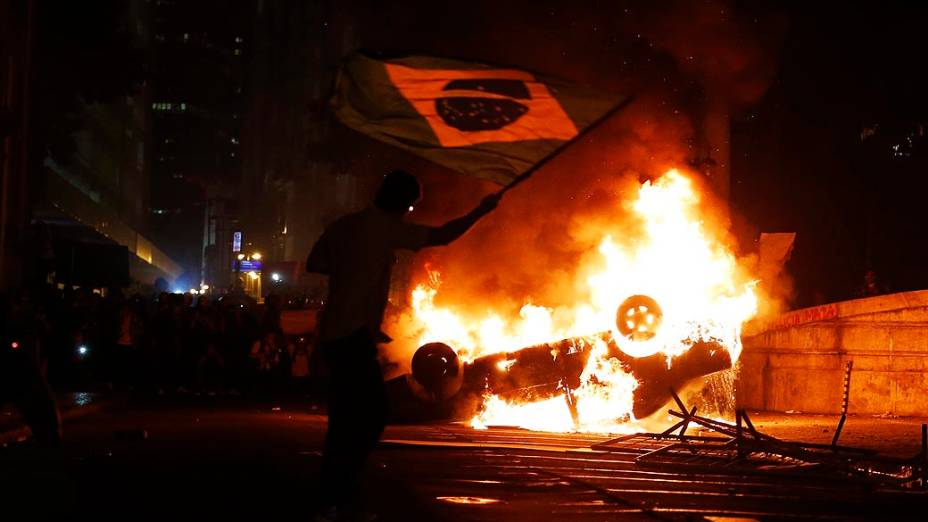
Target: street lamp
[(256, 256)]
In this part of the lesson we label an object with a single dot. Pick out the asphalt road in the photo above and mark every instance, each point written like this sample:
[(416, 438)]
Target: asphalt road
[(229, 460)]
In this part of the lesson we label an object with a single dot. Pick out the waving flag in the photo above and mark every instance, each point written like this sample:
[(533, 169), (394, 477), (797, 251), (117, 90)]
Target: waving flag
[(490, 122)]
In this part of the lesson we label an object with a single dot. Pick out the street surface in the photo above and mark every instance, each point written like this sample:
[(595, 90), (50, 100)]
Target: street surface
[(233, 460)]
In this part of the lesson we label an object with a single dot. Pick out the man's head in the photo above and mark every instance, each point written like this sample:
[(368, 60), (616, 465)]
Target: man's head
[(399, 191)]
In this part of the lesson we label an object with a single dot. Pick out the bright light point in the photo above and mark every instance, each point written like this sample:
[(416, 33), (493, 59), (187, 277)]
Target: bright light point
[(468, 500), (241, 256), (505, 364), (82, 350), (410, 208), (275, 277), (256, 256), (14, 345), (194, 291)]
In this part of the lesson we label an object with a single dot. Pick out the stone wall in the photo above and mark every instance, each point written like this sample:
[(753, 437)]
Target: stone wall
[(798, 361)]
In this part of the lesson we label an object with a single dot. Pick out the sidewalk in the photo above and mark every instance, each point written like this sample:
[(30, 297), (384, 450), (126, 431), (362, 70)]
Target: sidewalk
[(888, 435)]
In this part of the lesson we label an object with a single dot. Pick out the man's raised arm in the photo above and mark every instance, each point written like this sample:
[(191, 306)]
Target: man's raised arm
[(445, 234)]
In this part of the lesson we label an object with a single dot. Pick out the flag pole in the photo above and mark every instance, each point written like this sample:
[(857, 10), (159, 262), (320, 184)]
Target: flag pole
[(596, 123)]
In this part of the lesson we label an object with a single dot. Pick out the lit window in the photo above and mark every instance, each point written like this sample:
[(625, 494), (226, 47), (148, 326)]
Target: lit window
[(183, 106), (234, 141), (238, 39), (237, 52), (186, 36)]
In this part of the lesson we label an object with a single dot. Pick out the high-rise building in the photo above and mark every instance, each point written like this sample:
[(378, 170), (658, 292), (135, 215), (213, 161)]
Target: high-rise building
[(79, 163), (16, 26), (197, 103), (294, 171)]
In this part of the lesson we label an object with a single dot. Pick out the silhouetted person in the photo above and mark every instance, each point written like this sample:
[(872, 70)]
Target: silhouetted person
[(273, 305), (21, 380), (266, 359), (299, 364), (164, 340), (201, 339), (238, 331), (871, 286), (109, 326), (357, 254)]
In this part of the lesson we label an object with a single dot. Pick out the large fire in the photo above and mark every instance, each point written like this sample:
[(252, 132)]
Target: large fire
[(670, 255)]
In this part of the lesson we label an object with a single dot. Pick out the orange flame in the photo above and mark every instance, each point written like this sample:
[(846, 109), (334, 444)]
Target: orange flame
[(671, 257)]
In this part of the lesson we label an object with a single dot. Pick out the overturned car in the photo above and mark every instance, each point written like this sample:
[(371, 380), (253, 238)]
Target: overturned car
[(442, 386)]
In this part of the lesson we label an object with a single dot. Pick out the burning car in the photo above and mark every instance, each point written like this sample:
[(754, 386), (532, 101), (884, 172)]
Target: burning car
[(440, 385), (662, 305)]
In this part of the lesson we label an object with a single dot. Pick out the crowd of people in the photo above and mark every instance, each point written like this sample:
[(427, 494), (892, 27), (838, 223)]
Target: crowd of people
[(166, 343)]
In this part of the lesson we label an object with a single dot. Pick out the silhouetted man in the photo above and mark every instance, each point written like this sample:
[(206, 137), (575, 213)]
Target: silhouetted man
[(357, 254)]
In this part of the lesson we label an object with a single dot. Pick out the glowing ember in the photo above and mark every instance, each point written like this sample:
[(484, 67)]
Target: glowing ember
[(691, 279), (469, 500), (504, 365)]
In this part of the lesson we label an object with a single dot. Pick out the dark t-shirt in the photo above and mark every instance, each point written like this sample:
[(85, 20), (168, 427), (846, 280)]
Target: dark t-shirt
[(357, 253)]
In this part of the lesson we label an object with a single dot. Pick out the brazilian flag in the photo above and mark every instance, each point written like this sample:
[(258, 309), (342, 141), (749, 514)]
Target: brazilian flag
[(485, 121)]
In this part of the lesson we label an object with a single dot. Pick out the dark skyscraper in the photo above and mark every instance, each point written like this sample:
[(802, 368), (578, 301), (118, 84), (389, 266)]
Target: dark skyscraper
[(197, 104), (80, 133), (292, 148)]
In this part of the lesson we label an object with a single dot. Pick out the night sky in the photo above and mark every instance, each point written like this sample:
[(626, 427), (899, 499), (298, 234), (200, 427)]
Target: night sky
[(800, 164)]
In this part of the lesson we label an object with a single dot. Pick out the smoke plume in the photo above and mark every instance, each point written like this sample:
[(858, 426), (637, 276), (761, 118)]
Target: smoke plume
[(667, 55)]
